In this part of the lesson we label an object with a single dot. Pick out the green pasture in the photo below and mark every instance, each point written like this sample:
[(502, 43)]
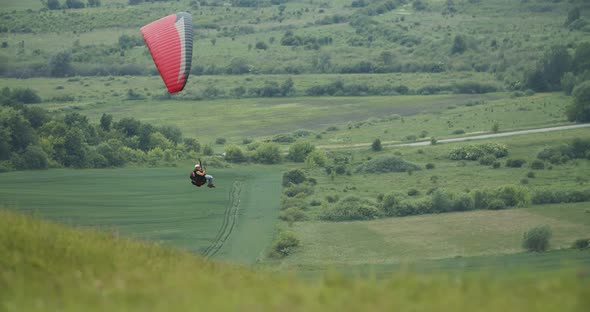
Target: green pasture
[(455, 176), (156, 204), (405, 240)]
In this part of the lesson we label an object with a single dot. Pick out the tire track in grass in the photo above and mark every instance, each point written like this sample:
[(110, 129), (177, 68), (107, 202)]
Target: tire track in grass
[(229, 220)]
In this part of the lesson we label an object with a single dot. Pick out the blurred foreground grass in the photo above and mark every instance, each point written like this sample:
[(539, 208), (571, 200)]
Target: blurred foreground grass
[(49, 267)]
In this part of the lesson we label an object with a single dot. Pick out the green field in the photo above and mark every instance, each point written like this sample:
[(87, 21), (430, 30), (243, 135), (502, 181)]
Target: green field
[(157, 204), (409, 239)]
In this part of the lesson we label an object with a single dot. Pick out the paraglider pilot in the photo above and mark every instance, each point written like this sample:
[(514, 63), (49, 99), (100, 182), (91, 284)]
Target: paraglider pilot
[(199, 177)]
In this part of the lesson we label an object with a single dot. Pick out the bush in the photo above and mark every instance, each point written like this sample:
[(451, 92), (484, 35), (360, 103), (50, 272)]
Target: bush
[(429, 166), (267, 153), (386, 164), (538, 164), (234, 153), (292, 214), (299, 151), (220, 141), (544, 196), (376, 146), (295, 176), (513, 195), (531, 175), (441, 201), (496, 204), (487, 160), (351, 208), (474, 152), (537, 238), (515, 163), (581, 243), (297, 189), (463, 202), (284, 244)]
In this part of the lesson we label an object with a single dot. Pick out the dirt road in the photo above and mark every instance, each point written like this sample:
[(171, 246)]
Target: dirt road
[(467, 138)]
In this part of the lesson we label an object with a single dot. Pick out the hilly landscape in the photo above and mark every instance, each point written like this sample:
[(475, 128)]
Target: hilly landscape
[(367, 155)]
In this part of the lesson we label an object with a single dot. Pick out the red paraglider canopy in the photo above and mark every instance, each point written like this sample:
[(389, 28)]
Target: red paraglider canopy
[(170, 41)]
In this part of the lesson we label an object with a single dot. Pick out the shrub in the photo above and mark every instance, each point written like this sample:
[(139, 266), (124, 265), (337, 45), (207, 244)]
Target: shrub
[(267, 153), (295, 176), (458, 131), (292, 214), (284, 244), (538, 164), (376, 146), (487, 160), (332, 198), (496, 204), (537, 238), (474, 152), (283, 138), (316, 158), (234, 153), (441, 201), (220, 141), (515, 163), (297, 189), (463, 202), (429, 166), (386, 164), (531, 175), (581, 243), (496, 165), (513, 195), (299, 151), (351, 208), (413, 192)]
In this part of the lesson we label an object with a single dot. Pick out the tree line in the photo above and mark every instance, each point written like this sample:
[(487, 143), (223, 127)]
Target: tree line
[(33, 138)]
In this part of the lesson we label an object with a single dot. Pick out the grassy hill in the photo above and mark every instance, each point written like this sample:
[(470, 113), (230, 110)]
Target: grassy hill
[(46, 267)]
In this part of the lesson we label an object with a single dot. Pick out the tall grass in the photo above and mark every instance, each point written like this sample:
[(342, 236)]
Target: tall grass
[(47, 267)]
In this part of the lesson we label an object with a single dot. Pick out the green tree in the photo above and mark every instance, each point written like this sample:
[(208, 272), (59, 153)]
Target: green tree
[(33, 158), (75, 148), (579, 110), (106, 121), (172, 133), (581, 61), (59, 64), (18, 128), (556, 62), (376, 146)]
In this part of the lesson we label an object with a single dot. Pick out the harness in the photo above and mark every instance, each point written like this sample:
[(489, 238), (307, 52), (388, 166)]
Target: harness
[(197, 180)]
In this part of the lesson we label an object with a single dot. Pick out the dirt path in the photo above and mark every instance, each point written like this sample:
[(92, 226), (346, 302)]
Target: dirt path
[(229, 220), (467, 138)]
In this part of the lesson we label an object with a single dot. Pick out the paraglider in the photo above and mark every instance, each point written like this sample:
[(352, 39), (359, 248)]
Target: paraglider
[(170, 42), (199, 176)]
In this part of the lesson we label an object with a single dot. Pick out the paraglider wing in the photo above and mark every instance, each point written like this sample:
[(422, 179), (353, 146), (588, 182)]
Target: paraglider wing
[(170, 41)]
